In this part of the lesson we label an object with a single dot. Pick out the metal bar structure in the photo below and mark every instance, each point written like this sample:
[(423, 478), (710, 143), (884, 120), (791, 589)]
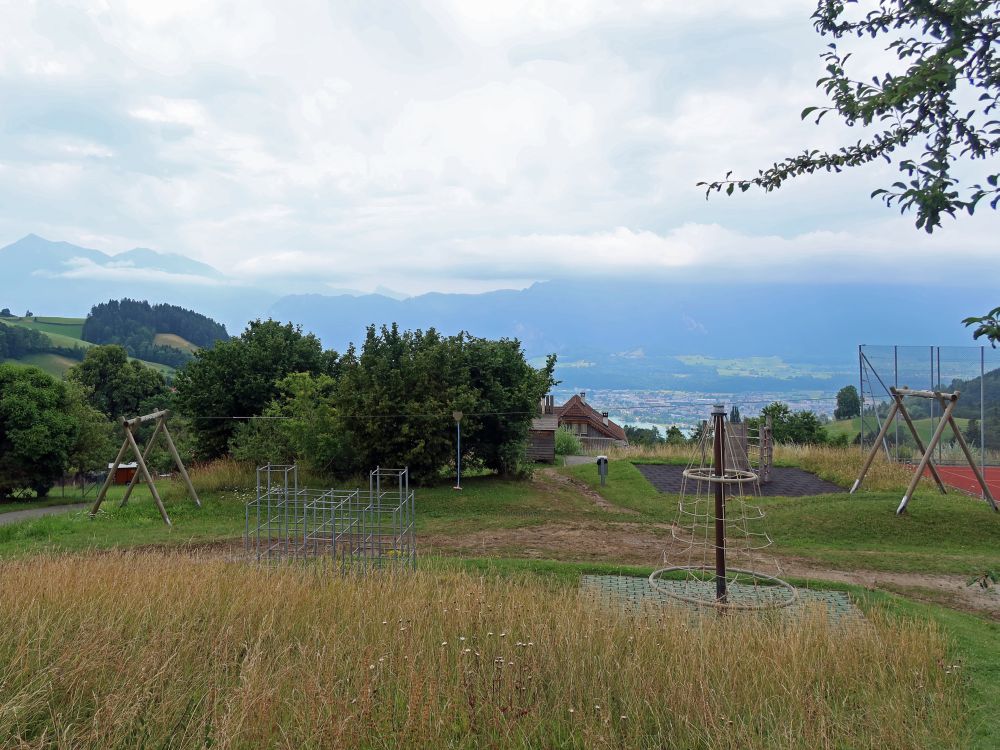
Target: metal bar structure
[(352, 530), (719, 467)]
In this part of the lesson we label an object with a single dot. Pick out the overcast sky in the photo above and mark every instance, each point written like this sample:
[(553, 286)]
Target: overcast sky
[(443, 145)]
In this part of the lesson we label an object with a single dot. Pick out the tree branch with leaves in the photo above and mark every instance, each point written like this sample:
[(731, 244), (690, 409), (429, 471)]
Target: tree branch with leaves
[(950, 55)]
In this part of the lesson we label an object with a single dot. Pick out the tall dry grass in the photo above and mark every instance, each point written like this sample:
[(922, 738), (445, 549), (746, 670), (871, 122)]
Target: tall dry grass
[(143, 650)]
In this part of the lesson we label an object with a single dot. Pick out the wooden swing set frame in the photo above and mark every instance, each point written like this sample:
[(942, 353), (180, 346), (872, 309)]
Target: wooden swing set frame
[(128, 425), (948, 402)]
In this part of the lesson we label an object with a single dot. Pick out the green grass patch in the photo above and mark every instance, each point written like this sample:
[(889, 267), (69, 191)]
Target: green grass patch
[(71, 328), (925, 428), (55, 365), (940, 533)]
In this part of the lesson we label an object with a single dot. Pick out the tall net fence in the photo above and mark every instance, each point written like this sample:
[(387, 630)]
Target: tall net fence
[(972, 370)]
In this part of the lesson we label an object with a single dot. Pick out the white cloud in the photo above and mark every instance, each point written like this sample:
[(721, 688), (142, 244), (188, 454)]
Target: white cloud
[(438, 144)]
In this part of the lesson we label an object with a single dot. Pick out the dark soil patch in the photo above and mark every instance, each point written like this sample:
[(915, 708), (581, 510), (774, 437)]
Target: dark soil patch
[(785, 481)]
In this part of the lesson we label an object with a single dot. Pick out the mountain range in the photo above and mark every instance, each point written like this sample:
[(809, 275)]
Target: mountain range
[(613, 333)]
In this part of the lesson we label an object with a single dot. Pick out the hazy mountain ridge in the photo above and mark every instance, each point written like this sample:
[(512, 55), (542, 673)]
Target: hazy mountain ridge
[(628, 333)]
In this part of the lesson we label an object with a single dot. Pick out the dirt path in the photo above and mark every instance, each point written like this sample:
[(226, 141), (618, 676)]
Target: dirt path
[(28, 513), (643, 545), (553, 478)]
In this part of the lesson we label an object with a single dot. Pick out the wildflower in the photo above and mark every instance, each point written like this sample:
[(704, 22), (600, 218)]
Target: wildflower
[(572, 711), (444, 643)]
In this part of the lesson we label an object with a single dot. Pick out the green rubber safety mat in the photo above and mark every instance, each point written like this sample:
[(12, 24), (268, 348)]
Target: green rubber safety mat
[(633, 594)]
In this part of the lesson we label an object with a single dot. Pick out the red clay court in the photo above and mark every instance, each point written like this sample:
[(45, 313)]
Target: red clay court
[(962, 478)]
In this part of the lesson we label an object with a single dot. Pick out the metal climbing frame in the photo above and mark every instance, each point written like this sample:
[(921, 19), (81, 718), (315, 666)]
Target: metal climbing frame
[(354, 530)]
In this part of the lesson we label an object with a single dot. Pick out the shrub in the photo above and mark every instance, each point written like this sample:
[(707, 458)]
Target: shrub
[(567, 444)]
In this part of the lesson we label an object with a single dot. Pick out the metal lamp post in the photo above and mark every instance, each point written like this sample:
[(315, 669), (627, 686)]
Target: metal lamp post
[(457, 416)]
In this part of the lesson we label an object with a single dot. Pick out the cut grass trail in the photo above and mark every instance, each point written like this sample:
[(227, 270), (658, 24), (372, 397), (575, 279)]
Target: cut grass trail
[(155, 650)]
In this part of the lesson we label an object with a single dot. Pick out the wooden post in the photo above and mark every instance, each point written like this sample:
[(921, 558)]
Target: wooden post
[(109, 479), (874, 451), (177, 460), (145, 473), (935, 438), (145, 454), (987, 495), (916, 438)]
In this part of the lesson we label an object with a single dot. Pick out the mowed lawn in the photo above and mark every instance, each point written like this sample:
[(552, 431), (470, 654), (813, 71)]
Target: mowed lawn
[(925, 428), (939, 534)]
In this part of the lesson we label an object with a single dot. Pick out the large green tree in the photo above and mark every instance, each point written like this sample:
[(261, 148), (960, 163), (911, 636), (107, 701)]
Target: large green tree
[(38, 432), (848, 403), (117, 386), (240, 378), (936, 110)]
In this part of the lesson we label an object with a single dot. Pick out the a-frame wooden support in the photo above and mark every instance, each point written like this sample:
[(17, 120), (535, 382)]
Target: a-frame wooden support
[(128, 425), (948, 402)]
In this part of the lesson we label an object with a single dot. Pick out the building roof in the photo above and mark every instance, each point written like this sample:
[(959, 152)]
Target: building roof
[(546, 422), (578, 410), (132, 465)]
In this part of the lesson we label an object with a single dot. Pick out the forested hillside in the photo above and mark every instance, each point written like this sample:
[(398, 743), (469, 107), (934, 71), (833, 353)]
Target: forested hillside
[(134, 324)]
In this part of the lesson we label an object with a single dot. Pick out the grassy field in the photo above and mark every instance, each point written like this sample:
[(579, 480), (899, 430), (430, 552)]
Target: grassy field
[(153, 650), (64, 327), (66, 332), (926, 675), (55, 365), (925, 427), (177, 342)]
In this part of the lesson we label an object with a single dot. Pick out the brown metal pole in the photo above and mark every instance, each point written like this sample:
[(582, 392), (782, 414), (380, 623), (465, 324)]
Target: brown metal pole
[(719, 417)]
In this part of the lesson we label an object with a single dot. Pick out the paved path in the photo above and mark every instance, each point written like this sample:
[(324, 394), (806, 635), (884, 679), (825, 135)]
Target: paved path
[(28, 513)]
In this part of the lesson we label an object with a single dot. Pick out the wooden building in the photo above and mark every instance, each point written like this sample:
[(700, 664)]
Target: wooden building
[(124, 472), (593, 428)]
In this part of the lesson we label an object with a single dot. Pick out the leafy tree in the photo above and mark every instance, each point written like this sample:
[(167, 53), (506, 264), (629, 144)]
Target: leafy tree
[(675, 436), (6, 313), (240, 377), (37, 430), (987, 325), (848, 403), (799, 428), (942, 101), (507, 391), (644, 435), (95, 443), (568, 443), (116, 386), (302, 425)]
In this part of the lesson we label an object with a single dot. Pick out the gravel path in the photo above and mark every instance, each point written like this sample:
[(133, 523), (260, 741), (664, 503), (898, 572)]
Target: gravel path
[(28, 513)]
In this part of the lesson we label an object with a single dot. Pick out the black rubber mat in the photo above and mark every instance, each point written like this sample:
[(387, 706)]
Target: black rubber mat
[(785, 481)]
